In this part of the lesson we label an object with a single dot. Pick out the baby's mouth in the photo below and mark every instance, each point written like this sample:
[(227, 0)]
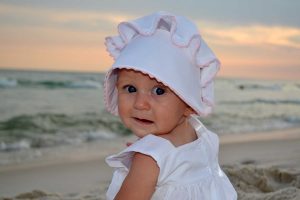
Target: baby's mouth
[(144, 121)]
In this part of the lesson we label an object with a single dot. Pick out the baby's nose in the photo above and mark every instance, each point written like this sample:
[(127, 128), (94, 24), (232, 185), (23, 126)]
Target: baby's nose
[(142, 101)]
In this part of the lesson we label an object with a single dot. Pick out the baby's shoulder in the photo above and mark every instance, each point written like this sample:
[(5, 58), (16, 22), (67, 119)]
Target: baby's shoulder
[(152, 146), (141, 163)]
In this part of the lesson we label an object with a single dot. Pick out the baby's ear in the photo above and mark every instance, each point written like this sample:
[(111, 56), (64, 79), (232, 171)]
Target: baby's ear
[(189, 111)]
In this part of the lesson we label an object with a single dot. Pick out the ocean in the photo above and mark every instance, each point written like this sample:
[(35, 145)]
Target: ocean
[(47, 109)]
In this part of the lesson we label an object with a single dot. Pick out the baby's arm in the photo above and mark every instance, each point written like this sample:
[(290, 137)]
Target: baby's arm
[(141, 180)]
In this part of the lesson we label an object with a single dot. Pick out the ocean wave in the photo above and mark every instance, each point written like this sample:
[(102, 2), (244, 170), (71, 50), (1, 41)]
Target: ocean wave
[(7, 82), (49, 84), (239, 123), (275, 87), (292, 120), (15, 146), (50, 129), (263, 101), (85, 84)]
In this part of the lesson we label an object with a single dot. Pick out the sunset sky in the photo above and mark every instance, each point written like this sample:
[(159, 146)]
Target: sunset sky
[(253, 38)]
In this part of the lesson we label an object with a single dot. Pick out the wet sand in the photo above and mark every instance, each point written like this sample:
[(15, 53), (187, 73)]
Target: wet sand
[(260, 165)]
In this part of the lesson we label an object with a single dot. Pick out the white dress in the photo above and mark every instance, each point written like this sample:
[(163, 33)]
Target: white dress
[(187, 172)]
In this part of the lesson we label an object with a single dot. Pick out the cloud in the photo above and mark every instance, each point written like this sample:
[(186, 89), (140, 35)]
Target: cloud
[(34, 36), (72, 19), (253, 35), (105, 22), (25, 25)]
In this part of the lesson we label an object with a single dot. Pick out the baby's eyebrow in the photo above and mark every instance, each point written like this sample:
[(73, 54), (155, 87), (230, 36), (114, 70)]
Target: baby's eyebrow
[(121, 83), (124, 80), (161, 85)]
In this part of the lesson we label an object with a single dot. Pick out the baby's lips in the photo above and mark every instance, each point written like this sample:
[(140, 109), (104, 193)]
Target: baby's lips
[(143, 120)]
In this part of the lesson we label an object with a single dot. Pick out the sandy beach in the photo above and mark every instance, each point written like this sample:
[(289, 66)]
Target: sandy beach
[(260, 165)]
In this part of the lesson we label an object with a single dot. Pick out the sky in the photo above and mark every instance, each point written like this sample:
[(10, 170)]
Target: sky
[(252, 38)]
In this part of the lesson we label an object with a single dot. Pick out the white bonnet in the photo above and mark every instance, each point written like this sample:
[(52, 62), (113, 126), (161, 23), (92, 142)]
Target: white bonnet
[(170, 49)]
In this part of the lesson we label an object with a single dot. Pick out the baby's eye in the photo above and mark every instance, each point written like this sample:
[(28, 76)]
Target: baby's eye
[(158, 91), (130, 88)]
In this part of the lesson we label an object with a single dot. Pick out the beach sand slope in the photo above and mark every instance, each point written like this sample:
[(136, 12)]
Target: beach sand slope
[(261, 166)]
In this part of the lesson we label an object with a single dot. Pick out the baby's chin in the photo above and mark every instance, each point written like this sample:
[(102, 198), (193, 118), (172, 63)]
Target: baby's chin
[(141, 135)]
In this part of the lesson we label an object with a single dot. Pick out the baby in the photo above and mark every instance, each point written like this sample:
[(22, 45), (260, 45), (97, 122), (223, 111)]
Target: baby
[(159, 85)]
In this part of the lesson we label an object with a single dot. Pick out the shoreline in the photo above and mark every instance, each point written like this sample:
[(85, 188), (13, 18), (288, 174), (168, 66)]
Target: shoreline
[(89, 151), (81, 169), (281, 134)]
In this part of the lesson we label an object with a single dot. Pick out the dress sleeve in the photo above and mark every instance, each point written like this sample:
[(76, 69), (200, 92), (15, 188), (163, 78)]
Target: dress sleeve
[(153, 146)]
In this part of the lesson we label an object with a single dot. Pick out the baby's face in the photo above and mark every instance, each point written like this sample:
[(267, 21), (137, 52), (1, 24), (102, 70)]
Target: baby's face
[(146, 106)]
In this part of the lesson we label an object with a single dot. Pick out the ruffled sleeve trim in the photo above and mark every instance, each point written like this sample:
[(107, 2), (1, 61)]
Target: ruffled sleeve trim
[(150, 145)]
